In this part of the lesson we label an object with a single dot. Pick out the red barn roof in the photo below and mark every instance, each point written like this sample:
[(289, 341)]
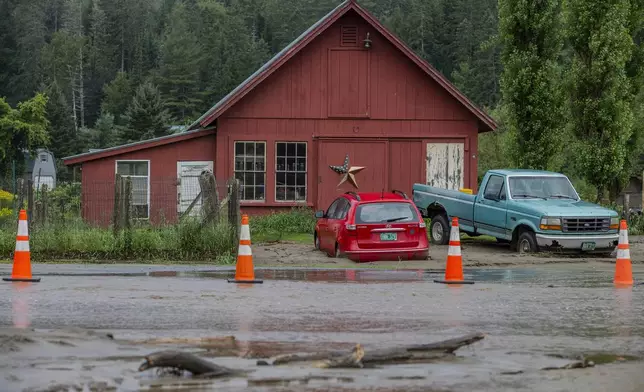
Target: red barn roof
[(488, 124)]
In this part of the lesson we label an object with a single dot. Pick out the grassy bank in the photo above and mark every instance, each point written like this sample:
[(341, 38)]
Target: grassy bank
[(188, 241)]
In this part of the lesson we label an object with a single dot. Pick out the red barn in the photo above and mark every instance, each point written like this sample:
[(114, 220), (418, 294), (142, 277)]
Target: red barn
[(346, 90)]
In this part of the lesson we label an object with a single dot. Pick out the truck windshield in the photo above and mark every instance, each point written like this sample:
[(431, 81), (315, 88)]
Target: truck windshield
[(542, 188), (387, 212)]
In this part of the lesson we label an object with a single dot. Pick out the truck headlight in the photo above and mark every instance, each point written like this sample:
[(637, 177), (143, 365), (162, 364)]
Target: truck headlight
[(614, 223), (548, 223)]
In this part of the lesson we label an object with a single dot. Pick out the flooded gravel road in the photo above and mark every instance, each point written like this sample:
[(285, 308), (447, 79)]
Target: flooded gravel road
[(532, 318)]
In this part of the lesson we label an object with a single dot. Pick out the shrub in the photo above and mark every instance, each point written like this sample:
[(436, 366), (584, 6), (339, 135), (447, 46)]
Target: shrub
[(6, 200)]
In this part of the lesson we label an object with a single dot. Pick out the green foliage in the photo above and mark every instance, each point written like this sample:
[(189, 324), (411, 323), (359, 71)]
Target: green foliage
[(118, 95), (180, 61), (275, 225), (61, 123), (600, 91), (188, 241), (496, 148), (104, 133), (22, 129), (146, 117), (531, 35)]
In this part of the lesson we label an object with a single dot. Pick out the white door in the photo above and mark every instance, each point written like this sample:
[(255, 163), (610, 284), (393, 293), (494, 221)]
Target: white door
[(445, 165), (188, 173)]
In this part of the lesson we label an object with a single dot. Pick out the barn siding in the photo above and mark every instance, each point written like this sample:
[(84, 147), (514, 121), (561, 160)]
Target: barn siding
[(397, 89), (404, 136), (98, 179)]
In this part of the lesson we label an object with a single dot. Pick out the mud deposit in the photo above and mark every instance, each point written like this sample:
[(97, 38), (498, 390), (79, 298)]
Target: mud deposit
[(91, 331), (475, 254)]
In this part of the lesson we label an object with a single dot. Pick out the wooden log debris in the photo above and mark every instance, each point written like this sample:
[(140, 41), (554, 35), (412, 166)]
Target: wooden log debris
[(415, 353), (186, 361), (356, 358)]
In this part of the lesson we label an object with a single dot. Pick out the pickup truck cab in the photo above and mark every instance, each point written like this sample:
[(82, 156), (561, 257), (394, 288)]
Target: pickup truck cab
[(532, 210)]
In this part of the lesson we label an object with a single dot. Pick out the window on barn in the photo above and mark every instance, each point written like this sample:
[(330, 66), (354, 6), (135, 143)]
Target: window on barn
[(139, 172), (250, 169), (290, 171)]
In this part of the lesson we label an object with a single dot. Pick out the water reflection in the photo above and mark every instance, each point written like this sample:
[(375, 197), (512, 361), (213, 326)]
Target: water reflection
[(20, 304)]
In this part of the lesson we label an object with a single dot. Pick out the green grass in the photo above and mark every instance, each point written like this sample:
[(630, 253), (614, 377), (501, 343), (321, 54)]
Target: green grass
[(77, 241), (188, 242)]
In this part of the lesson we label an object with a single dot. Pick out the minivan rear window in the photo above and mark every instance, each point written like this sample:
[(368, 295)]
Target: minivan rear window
[(386, 212)]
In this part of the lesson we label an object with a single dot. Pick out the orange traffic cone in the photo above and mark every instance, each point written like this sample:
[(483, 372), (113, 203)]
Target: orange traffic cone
[(454, 267), (22, 256), (623, 270), (244, 272)]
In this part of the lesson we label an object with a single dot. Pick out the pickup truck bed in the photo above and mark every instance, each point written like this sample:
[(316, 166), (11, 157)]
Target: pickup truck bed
[(450, 200)]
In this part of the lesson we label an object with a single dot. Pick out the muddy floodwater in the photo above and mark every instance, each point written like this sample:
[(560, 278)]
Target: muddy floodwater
[(90, 326)]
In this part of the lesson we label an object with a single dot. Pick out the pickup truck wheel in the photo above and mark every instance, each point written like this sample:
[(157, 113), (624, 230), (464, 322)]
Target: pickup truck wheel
[(439, 230), (527, 243)]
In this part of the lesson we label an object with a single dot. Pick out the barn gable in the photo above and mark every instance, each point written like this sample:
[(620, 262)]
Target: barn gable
[(350, 71)]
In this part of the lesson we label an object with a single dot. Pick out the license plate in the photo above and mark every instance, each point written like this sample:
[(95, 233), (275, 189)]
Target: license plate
[(587, 246), (388, 237)]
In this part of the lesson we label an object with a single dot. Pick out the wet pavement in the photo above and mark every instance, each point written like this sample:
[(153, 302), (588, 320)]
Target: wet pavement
[(527, 314)]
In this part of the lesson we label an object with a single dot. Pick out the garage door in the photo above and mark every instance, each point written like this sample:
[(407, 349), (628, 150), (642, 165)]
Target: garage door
[(370, 155), (188, 173), (445, 164)]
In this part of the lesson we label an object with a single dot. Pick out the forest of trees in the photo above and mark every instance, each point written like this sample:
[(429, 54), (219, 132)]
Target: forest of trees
[(105, 72)]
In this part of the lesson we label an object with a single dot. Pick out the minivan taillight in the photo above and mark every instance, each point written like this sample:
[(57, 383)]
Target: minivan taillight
[(422, 224)]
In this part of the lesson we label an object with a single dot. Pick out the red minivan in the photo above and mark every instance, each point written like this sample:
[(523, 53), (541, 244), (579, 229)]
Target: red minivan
[(372, 227)]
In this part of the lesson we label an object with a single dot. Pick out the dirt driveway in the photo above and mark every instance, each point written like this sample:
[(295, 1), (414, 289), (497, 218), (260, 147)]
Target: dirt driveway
[(475, 254)]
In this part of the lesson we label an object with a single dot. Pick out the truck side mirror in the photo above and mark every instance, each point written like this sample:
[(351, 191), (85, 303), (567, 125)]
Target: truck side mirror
[(319, 214)]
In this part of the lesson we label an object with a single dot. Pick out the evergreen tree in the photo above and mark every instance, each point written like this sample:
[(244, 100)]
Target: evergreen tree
[(104, 132), (101, 59), (532, 41), (146, 117), (118, 95), (231, 53), (61, 124), (180, 65), (600, 99)]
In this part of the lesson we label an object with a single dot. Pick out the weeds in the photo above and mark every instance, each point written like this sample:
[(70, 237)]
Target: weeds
[(274, 226), (187, 241)]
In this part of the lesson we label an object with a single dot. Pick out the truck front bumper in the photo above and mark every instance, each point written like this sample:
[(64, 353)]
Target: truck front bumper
[(601, 241)]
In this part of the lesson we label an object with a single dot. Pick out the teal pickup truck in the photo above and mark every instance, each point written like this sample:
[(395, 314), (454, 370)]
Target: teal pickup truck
[(531, 210)]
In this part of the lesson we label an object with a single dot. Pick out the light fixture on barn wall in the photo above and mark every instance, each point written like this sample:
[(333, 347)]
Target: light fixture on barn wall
[(367, 42)]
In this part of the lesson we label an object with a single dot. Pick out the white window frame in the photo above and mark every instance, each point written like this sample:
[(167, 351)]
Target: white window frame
[(235, 171), (116, 166), (306, 172)]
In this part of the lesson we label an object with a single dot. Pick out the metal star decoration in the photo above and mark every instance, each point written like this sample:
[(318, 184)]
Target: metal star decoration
[(347, 171)]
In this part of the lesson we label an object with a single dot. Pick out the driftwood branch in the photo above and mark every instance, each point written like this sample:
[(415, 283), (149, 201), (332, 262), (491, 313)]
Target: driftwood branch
[(415, 353), (185, 361), (581, 364)]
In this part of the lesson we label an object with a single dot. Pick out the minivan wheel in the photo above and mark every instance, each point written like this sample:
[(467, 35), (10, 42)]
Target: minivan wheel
[(527, 243), (439, 230), (317, 241)]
